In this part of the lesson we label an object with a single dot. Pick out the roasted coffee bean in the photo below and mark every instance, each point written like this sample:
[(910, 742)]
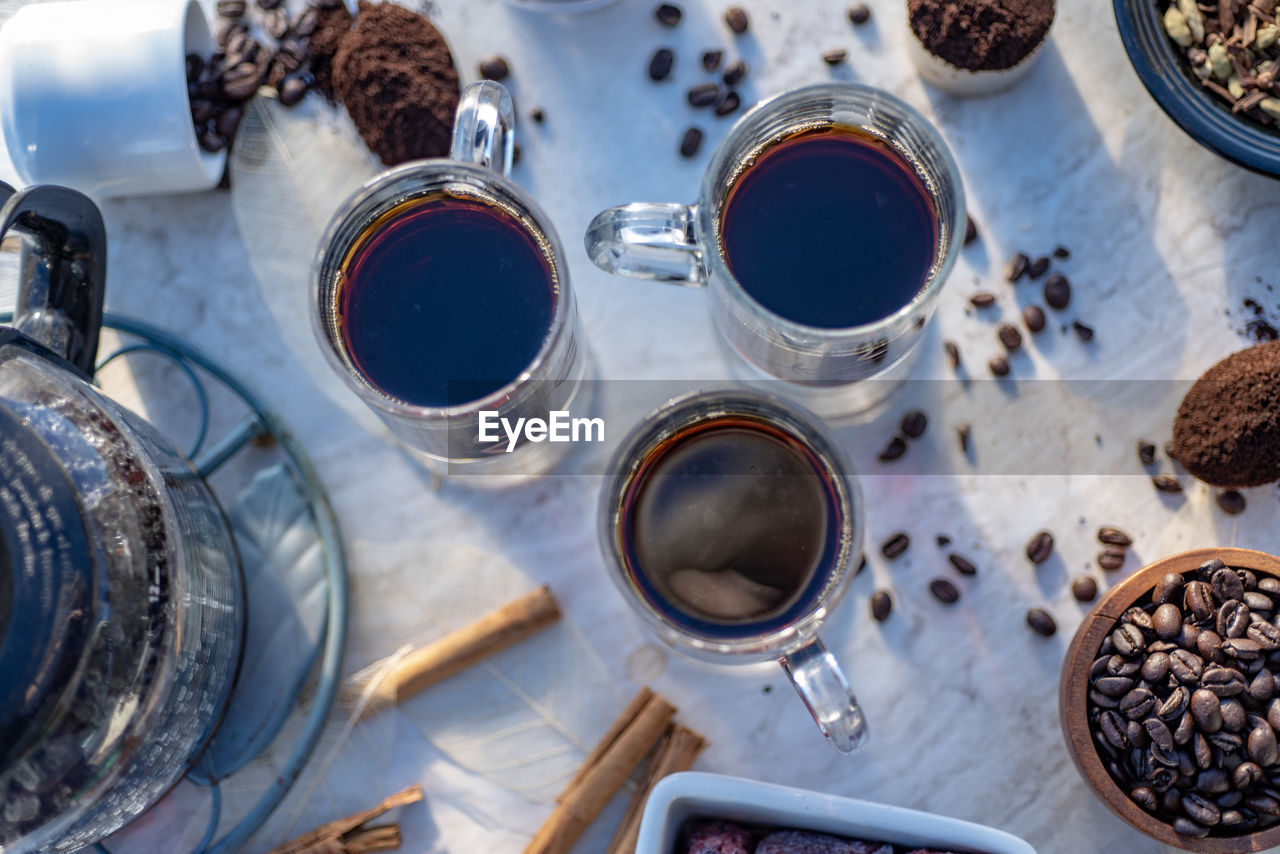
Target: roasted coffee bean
[(1213, 781), (203, 111), (1232, 620), (1242, 649), (735, 73), (227, 123), (1161, 646), (661, 63), (1128, 640), (1038, 267), (1137, 704), (835, 56), (1041, 622), (195, 67), (1057, 291), (292, 91), (1223, 681), (1246, 774), (1033, 317), (1083, 330), (1269, 585), (1234, 717), (963, 434), (1227, 584), (1167, 588), (914, 424), (1209, 645), (1200, 809), (1265, 635), (1140, 618), (970, 227), (735, 17), (1262, 688), (1084, 588), (1100, 667), (212, 143), (1208, 568), (999, 366), (668, 14), (1206, 710), (1145, 797), (1198, 599), (1167, 757), (1166, 483), (1118, 665), (241, 81), (1010, 337), (1102, 701), (276, 23), (944, 591), (1016, 267), (690, 142), (1190, 637), (703, 95), (728, 104), (268, 5), (1188, 828), (231, 8), (881, 605), (495, 68), (896, 545), (1167, 621), (1227, 742), (1202, 750), (1185, 729), (1258, 602), (306, 23), (962, 564), (1111, 536), (1232, 818), (711, 59), (1158, 732), (1264, 805), (1262, 746), (1040, 547), (1155, 669), (1111, 558), (1185, 666), (1146, 452), (1113, 730), (1231, 502), (896, 448)]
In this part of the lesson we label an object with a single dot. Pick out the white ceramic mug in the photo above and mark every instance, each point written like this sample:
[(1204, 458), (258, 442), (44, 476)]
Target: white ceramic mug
[(93, 96)]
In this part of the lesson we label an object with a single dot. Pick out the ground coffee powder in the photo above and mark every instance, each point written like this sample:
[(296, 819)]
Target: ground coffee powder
[(331, 25), (396, 77), (981, 35), (1227, 431)]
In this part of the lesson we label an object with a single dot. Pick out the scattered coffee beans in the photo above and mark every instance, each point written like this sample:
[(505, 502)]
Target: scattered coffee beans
[(1146, 452), (1040, 547), (711, 59), (964, 433), (660, 64), (1062, 252), (953, 354), (881, 605), (859, 14), (896, 545), (970, 230), (963, 565), (1057, 291), (1084, 588), (1010, 337), (690, 142), (1016, 267), (735, 73), (982, 299), (1166, 483), (944, 591), (999, 366), (1182, 706), (668, 14), (896, 448), (1038, 267), (1111, 558), (735, 17), (942, 540), (914, 424), (728, 104), (1041, 622), (835, 56), (1083, 331), (494, 68), (1231, 502), (703, 95), (1114, 537), (1033, 316)]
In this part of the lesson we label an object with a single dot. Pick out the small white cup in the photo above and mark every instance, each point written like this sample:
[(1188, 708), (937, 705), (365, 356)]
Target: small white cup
[(93, 96)]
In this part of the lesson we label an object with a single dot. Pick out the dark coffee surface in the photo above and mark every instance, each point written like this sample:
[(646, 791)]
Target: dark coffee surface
[(730, 524), (830, 228), (448, 301)]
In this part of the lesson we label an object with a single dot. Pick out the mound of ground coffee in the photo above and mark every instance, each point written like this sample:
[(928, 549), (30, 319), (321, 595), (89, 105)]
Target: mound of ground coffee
[(1227, 431), (331, 25), (396, 77), (981, 35)]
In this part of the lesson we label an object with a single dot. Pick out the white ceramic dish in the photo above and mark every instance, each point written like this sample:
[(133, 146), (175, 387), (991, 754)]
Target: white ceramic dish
[(683, 796)]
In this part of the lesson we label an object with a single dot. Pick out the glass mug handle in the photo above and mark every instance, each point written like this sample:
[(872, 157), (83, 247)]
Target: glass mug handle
[(822, 685), (648, 241), (484, 127)]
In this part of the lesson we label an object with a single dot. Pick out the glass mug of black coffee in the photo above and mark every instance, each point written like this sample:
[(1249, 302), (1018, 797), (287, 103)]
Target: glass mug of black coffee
[(731, 523), (442, 297), (827, 223)]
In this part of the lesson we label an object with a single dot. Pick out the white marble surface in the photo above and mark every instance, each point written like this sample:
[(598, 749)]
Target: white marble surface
[(962, 701)]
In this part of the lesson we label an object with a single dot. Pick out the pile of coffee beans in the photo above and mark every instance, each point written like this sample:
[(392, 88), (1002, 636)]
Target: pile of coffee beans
[(1184, 705), (258, 45)]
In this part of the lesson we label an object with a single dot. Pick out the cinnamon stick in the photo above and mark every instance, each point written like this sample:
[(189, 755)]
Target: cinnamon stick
[(676, 752), (591, 790), (593, 758), (466, 647), (331, 838)]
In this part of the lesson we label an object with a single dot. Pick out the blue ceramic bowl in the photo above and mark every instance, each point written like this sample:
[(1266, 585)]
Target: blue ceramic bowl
[(1164, 72)]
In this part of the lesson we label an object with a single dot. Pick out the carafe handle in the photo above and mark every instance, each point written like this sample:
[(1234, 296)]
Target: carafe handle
[(484, 127), (822, 685), (62, 269)]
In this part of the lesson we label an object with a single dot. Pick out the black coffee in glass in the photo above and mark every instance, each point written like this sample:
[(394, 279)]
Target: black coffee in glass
[(730, 527), (830, 228), (445, 300)]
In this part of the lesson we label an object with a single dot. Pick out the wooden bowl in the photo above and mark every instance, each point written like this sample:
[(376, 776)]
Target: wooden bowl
[(1073, 692)]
